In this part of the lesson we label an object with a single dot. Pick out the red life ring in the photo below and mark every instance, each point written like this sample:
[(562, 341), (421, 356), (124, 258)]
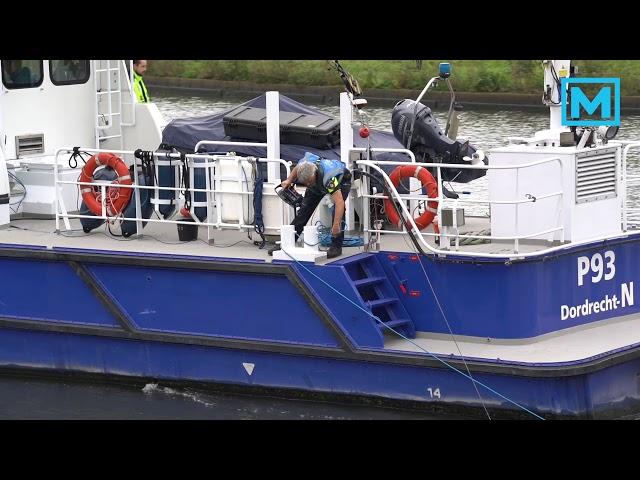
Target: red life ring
[(427, 180), (117, 197)]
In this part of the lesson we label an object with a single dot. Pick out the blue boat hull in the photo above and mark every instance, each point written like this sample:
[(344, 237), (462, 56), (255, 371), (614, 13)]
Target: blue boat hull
[(609, 393), (273, 326)]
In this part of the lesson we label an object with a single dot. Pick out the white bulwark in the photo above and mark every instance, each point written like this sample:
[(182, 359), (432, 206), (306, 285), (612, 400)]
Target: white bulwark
[(578, 188)]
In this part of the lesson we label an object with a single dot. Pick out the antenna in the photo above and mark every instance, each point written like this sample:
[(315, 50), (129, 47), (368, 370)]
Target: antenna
[(350, 83)]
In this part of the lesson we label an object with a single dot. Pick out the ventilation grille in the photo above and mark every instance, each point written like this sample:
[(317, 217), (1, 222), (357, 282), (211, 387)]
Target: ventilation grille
[(29, 145), (596, 175)]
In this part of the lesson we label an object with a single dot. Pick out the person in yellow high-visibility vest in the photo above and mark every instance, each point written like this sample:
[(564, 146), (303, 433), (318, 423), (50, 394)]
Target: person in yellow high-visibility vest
[(139, 88)]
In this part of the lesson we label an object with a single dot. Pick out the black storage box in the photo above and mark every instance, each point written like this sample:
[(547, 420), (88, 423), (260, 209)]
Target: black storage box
[(187, 233), (315, 131)]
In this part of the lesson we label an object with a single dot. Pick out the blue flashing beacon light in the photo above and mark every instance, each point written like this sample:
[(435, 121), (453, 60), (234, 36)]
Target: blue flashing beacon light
[(445, 70)]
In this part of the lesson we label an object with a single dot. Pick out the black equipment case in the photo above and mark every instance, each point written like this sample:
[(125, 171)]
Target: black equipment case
[(316, 131)]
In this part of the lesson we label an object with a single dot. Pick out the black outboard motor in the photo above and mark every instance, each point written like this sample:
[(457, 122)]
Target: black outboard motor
[(429, 143)]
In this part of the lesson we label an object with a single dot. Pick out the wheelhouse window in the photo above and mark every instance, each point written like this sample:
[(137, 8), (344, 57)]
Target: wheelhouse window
[(22, 73), (69, 72)]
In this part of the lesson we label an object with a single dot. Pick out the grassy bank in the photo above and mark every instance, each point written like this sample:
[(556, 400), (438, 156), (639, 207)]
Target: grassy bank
[(513, 76)]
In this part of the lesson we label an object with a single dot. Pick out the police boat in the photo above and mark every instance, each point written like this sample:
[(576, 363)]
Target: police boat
[(130, 255)]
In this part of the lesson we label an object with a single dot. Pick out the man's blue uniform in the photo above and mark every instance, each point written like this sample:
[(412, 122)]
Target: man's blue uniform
[(332, 176)]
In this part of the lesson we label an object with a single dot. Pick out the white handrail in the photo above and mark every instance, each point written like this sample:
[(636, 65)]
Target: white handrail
[(415, 107), (192, 160), (406, 196), (129, 79), (225, 142), (623, 181), (61, 211), (473, 167), (410, 219), (409, 153), (464, 235)]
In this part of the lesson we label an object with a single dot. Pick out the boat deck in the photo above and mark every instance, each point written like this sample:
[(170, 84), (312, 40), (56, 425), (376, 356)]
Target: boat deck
[(163, 238), (569, 345)]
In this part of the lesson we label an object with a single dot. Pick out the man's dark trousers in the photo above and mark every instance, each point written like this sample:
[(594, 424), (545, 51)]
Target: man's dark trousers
[(310, 202)]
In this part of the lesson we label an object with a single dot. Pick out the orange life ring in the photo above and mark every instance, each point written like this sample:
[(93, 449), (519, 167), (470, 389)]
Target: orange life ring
[(427, 180), (117, 197)]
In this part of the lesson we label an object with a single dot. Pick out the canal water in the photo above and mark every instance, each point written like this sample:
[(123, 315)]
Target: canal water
[(39, 398)]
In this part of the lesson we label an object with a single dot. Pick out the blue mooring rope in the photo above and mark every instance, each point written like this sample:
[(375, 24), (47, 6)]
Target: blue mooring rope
[(411, 341), (324, 237)]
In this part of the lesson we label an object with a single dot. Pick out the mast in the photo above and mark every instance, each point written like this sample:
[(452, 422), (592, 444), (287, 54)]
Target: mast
[(554, 70)]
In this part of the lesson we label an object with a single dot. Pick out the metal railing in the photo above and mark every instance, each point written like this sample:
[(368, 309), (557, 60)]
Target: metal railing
[(376, 165), (213, 187), (630, 215), (207, 162), (127, 67), (110, 93), (201, 143)]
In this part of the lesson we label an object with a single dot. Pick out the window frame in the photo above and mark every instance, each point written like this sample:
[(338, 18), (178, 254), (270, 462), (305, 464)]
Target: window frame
[(21, 87), (70, 82)]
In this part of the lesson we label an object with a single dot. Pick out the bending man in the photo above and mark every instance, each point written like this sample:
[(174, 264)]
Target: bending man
[(321, 177)]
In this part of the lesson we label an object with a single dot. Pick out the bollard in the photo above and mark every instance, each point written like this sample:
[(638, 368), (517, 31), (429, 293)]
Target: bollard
[(288, 237), (311, 238)]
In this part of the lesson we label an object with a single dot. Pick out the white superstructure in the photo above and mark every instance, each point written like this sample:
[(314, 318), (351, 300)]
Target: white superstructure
[(47, 104)]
